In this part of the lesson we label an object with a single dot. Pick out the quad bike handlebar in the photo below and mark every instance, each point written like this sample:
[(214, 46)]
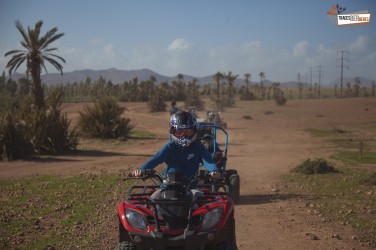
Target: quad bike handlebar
[(202, 176), (151, 173), (146, 174)]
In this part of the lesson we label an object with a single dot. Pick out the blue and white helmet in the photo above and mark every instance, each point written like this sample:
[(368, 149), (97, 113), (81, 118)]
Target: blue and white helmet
[(183, 128)]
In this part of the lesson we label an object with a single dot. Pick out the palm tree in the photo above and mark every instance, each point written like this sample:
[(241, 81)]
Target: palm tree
[(348, 84), (180, 78), (357, 86), (230, 80), (218, 77), (35, 54), (247, 77), (262, 76)]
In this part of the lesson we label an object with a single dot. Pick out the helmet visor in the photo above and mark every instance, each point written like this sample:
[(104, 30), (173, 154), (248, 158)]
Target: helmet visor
[(184, 133)]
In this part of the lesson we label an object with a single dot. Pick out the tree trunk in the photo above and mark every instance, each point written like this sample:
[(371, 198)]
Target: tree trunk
[(37, 86)]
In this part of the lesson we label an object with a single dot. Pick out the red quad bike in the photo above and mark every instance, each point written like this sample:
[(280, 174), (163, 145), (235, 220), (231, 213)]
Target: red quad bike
[(174, 218)]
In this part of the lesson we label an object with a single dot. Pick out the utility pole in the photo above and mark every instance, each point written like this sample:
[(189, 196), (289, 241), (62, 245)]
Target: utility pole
[(342, 65), (298, 78), (319, 87), (300, 87)]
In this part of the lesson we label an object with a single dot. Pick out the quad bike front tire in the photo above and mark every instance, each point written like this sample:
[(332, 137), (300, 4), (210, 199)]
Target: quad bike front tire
[(235, 186), (125, 245), (124, 242), (233, 183), (228, 235)]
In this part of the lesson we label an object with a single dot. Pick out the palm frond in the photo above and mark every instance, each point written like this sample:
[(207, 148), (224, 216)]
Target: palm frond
[(57, 65), (51, 39), (34, 35), (37, 29), (50, 49), (12, 52), (22, 31), (62, 59), (25, 45), (16, 58), (47, 36), (50, 33), (43, 65), (14, 67)]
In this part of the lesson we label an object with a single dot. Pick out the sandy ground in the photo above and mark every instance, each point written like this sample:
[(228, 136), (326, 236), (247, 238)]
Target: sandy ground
[(261, 149)]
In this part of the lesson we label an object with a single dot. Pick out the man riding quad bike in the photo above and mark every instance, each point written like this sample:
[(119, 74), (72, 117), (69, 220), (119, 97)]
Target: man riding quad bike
[(207, 134), (175, 218), (180, 213)]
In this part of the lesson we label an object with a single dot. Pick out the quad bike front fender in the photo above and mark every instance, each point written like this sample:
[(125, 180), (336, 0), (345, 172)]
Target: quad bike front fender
[(188, 240)]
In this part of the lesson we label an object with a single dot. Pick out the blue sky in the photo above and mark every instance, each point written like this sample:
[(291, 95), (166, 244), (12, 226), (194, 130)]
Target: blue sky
[(200, 37)]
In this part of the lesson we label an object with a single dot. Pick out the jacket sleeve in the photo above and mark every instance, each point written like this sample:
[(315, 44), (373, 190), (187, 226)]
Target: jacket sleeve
[(157, 159)]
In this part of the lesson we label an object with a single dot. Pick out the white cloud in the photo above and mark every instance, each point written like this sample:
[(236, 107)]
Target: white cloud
[(251, 47), (144, 56), (324, 51), (108, 52), (360, 44), (97, 41), (248, 57), (178, 44), (301, 49), (173, 64)]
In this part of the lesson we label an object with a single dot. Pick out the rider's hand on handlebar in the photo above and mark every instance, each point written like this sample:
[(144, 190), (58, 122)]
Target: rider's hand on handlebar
[(215, 174), (137, 173)]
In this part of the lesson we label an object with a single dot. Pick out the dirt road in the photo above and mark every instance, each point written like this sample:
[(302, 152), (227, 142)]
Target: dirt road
[(261, 149)]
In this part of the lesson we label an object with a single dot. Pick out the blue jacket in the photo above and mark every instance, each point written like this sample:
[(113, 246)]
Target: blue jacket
[(182, 159)]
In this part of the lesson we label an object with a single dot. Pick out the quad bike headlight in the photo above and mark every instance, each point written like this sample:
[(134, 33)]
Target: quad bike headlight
[(211, 219), (135, 219)]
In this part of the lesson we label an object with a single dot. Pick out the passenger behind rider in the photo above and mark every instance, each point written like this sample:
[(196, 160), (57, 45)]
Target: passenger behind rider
[(183, 153), (208, 141)]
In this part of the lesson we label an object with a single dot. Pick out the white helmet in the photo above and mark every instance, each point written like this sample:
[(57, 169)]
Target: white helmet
[(183, 128)]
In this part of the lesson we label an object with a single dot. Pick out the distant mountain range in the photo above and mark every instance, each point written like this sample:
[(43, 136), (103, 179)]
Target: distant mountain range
[(119, 76), (114, 75)]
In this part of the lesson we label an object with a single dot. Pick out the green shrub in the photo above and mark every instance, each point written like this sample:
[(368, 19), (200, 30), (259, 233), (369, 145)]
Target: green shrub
[(317, 166), (193, 97), (279, 98), (218, 105), (156, 103), (247, 95), (370, 180), (26, 131), (49, 128), (13, 140), (103, 120), (247, 117)]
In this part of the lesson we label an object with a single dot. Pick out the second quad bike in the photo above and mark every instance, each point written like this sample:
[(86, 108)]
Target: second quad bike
[(207, 133), (172, 217)]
